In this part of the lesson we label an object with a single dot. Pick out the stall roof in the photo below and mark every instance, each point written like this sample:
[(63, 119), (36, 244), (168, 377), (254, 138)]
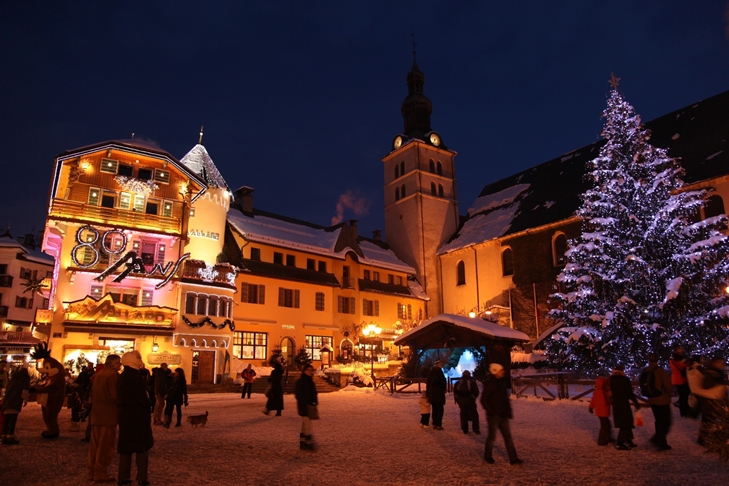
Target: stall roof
[(452, 331)]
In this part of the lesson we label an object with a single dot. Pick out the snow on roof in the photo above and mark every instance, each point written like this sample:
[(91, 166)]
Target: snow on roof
[(199, 161), (29, 254), (497, 199), (417, 290), (318, 240), (8, 242), (472, 323)]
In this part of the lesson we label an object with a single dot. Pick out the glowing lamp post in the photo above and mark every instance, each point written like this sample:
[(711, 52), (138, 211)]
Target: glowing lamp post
[(371, 331)]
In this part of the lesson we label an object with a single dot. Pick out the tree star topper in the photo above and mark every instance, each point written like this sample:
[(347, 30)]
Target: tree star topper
[(614, 82)]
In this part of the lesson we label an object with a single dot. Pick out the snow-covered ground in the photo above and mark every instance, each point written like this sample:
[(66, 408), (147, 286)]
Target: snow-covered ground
[(368, 437)]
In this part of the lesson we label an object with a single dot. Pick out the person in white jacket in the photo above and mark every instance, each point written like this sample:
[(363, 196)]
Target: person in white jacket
[(707, 395)]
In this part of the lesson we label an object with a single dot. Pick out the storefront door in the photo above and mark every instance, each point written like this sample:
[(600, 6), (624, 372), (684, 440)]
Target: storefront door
[(203, 366), (288, 350)]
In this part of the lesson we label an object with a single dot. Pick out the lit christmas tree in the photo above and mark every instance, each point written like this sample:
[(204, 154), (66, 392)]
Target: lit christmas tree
[(644, 276)]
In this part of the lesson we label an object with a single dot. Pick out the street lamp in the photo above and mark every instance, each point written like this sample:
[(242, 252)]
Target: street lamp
[(371, 331)]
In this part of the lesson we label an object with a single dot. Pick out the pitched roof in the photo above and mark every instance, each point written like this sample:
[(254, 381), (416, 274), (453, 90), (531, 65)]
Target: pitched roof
[(550, 192), (199, 161), (28, 254), (435, 332)]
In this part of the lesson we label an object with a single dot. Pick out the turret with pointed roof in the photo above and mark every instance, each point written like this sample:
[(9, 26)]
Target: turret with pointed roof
[(199, 161)]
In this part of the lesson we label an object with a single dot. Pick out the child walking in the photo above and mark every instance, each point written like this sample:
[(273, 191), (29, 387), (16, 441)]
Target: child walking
[(600, 406), (424, 410)]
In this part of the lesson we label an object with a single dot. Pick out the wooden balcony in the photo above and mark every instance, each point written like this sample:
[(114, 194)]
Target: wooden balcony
[(119, 218)]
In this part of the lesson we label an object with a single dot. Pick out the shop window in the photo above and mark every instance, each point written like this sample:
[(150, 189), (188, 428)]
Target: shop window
[(314, 345), (250, 345), (460, 273)]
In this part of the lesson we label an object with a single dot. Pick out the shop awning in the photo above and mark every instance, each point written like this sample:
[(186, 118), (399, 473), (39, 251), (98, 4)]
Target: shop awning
[(117, 328)]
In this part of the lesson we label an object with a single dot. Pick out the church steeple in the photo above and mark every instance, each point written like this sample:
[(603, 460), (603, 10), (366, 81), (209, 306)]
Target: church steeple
[(416, 108)]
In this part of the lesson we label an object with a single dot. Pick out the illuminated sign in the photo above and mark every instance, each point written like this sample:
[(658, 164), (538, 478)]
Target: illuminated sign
[(133, 263), (43, 316), (203, 234), (164, 357), (106, 310)]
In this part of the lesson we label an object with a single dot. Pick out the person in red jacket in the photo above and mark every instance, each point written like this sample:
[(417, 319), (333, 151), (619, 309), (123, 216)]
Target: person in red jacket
[(247, 374), (600, 406), (678, 380)]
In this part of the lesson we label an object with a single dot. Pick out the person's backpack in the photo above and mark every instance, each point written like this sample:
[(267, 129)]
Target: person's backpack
[(648, 385)]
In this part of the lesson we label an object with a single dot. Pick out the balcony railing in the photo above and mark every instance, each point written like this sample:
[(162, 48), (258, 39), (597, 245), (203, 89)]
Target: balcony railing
[(6, 281), (18, 338), (223, 272), (77, 211), (3, 311)]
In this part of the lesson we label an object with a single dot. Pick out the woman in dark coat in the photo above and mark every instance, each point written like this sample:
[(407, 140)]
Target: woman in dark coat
[(176, 396), (135, 428), (465, 393), (435, 387), (622, 390), (275, 396), (16, 397), (306, 398)]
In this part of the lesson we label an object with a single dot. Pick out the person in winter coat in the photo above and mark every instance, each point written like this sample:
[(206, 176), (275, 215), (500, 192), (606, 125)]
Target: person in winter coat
[(161, 384), (465, 393), (622, 392), (495, 400), (247, 375), (104, 419), (80, 388), (87, 434), (659, 383), (306, 402), (435, 387), (713, 392), (16, 397), (176, 396), (135, 429), (679, 368), (424, 410), (275, 396), (4, 378), (600, 406)]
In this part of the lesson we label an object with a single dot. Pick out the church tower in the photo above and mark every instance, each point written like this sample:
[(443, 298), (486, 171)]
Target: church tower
[(421, 203)]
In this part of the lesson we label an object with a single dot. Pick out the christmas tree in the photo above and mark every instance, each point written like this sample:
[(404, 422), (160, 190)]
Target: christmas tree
[(644, 276)]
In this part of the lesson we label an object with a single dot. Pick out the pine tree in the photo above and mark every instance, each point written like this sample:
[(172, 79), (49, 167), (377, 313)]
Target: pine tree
[(644, 276)]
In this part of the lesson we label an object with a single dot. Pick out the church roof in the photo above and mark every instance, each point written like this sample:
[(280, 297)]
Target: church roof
[(199, 161), (550, 192)]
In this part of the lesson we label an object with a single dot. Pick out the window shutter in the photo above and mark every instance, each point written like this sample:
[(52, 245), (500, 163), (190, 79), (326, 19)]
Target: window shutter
[(297, 296), (281, 297), (410, 311), (352, 305), (377, 308), (17, 301), (261, 294), (340, 303), (243, 292)]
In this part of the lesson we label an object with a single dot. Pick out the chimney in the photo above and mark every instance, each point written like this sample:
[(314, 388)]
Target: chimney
[(377, 235), (243, 196), (353, 229)]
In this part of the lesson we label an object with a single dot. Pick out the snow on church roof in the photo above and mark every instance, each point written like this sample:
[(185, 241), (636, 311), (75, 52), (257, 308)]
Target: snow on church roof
[(286, 233), (199, 161), (476, 324)]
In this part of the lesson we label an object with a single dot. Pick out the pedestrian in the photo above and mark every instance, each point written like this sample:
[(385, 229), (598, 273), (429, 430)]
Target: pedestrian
[(656, 386), (104, 419), (600, 406), (306, 406), (465, 393), (247, 375), (16, 397), (713, 394), (4, 377), (424, 410), (495, 400), (435, 387), (622, 393), (176, 396), (159, 376), (87, 434), (275, 393), (135, 429), (679, 367), (79, 397)]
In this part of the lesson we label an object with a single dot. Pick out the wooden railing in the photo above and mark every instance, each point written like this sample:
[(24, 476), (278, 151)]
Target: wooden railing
[(127, 218)]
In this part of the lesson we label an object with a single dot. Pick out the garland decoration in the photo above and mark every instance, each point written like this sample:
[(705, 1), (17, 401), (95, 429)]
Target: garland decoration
[(207, 320), (138, 186)]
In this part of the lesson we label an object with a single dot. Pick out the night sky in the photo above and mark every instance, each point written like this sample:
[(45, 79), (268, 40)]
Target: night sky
[(301, 100)]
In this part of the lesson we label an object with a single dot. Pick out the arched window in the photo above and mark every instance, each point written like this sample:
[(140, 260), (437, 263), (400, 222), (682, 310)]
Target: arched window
[(440, 168), (397, 193), (440, 190), (190, 303), (397, 171), (559, 248), (713, 206), (432, 166), (402, 168), (202, 305), (432, 188), (507, 262), (402, 190), (461, 273), (213, 307)]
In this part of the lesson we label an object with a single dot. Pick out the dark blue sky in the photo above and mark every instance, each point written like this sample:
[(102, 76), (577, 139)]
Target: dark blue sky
[(301, 100)]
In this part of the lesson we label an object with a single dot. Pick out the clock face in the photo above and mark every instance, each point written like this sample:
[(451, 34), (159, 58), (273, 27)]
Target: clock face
[(435, 139), (397, 143)]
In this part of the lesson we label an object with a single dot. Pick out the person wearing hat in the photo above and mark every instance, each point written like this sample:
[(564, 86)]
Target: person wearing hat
[(495, 400), (658, 384), (135, 416), (435, 387)]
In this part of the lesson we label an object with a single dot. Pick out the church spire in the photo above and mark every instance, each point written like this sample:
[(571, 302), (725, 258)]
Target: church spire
[(416, 108)]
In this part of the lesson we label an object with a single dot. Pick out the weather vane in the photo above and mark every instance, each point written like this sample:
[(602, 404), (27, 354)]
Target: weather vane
[(201, 134), (614, 82)]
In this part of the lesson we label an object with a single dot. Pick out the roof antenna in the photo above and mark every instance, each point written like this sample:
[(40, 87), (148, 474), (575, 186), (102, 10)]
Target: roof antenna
[(414, 52), (199, 142)]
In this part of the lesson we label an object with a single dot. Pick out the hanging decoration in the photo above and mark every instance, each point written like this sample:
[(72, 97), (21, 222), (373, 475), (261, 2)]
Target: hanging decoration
[(208, 273), (207, 320), (130, 184)]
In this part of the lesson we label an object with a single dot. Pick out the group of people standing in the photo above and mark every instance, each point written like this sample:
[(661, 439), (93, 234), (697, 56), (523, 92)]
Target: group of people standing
[(700, 390), (167, 391)]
